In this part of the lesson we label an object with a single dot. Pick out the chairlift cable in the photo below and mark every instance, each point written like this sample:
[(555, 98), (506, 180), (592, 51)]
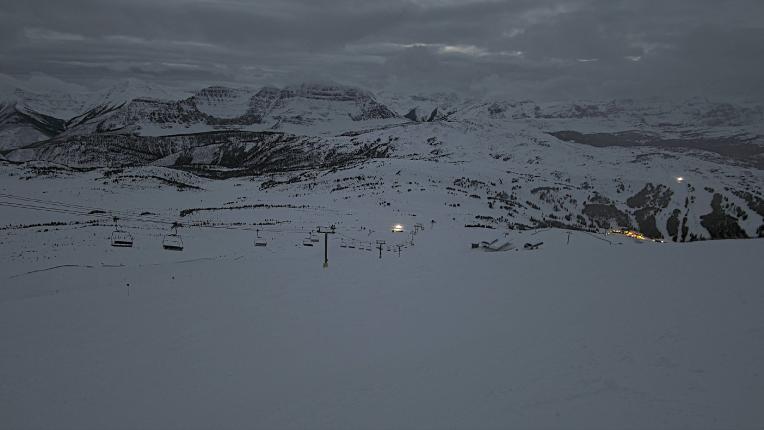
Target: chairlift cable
[(123, 212)]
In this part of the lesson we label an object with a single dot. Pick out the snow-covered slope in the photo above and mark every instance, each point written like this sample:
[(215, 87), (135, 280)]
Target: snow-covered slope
[(126, 90), (511, 299), (587, 331)]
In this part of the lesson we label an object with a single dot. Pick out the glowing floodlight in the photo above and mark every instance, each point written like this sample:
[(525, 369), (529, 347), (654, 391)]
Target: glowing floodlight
[(680, 179), (397, 228)]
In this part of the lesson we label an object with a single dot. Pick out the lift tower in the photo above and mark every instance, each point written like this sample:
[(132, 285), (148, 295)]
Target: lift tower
[(326, 231)]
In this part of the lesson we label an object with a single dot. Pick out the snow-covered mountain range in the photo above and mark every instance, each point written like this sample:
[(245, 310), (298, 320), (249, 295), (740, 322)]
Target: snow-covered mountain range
[(674, 170)]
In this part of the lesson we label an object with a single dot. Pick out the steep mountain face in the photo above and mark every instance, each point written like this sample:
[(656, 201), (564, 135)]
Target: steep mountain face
[(140, 113), (223, 102), (56, 104), (20, 125), (425, 108), (237, 153), (87, 113), (140, 116), (259, 106), (314, 103), (415, 114)]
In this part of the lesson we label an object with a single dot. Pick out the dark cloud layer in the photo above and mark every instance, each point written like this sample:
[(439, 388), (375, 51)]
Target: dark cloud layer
[(525, 48)]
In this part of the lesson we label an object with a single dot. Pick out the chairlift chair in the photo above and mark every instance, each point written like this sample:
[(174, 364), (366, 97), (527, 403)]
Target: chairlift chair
[(172, 242), (314, 237), (307, 241), (121, 239), (259, 241), (343, 244)]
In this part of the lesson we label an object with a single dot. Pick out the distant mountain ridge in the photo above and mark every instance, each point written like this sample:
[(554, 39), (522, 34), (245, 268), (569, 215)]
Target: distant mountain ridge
[(678, 170), (135, 107), (127, 109)]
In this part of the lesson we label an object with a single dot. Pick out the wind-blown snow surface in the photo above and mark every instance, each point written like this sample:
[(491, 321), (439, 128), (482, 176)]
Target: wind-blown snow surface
[(600, 332)]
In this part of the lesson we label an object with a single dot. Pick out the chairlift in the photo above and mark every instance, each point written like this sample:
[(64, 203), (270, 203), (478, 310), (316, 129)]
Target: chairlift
[(259, 241), (351, 245), (307, 241), (313, 237), (121, 238), (173, 241), (343, 244)]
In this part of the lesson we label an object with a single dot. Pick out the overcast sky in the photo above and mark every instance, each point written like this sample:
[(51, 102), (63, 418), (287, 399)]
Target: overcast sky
[(524, 48)]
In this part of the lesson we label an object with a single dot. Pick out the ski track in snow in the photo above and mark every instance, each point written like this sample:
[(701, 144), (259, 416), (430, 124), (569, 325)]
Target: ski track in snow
[(50, 268)]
